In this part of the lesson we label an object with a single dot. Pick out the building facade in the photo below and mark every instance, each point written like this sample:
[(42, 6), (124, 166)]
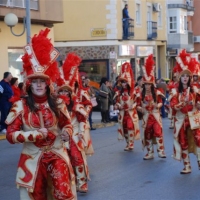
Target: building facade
[(180, 14), (43, 14), (94, 30)]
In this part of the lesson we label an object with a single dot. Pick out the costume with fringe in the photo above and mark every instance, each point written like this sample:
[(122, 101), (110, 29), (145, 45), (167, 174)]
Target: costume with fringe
[(152, 122), (125, 103), (185, 140), (44, 169), (77, 147)]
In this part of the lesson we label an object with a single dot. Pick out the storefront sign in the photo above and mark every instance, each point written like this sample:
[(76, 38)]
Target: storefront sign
[(173, 52), (126, 50), (144, 51), (98, 32)]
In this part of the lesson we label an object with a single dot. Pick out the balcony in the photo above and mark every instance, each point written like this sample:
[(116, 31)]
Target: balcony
[(128, 32), (151, 30), (181, 41), (186, 4)]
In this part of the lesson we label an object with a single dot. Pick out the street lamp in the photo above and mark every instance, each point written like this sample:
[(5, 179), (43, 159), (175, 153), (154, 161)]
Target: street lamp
[(11, 20)]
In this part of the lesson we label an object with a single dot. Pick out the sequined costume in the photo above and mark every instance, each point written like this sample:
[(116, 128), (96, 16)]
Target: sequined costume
[(149, 103), (125, 103)]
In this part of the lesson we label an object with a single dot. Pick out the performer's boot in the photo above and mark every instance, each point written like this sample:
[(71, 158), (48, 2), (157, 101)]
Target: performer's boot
[(150, 151), (186, 161), (127, 142), (198, 157), (130, 140), (82, 185), (160, 147)]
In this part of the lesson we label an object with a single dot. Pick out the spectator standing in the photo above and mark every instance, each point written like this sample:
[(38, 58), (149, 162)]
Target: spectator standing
[(20, 86), (110, 101), (16, 91), (103, 94), (125, 19), (5, 94)]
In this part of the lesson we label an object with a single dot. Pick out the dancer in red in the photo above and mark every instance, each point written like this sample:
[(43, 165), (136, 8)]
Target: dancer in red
[(67, 87), (42, 124), (172, 86), (125, 103), (149, 104), (186, 102)]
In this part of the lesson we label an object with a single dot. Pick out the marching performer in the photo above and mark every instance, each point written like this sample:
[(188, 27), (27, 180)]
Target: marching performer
[(186, 103), (172, 86), (125, 103), (67, 87), (149, 104), (42, 124)]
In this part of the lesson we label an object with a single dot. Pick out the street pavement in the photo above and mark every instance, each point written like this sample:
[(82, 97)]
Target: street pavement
[(116, 174)]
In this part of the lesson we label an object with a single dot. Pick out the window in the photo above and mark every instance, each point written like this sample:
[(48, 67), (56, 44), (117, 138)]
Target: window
[(172, 25), (138, 17), (95, 70), (159, 19), (15, 62), (19, 4)]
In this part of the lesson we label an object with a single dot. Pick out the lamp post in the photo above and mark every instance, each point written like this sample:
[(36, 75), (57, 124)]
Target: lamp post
[(11, 20)]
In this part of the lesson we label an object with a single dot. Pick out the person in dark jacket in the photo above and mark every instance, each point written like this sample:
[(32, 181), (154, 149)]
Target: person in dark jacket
[(104, 99), (125, 20), (5, 94)]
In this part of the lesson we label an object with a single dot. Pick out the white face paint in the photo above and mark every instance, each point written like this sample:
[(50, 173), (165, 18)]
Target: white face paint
[(185, 79), (38, 86)]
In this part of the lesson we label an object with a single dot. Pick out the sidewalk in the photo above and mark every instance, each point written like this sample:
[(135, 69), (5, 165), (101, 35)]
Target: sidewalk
[(96, 118)]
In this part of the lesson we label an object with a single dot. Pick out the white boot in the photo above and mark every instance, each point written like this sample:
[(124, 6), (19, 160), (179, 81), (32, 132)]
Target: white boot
[(131, 140), (160, 147), (150, 152), (82, 185), (186, 161)]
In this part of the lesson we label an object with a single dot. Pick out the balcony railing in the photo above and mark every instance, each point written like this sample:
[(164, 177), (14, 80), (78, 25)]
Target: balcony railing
[(19, 4), (151, 30), (128, 29), (190, 37)]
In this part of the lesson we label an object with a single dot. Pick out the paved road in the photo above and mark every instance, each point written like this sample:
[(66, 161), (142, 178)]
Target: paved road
[(118, 175)]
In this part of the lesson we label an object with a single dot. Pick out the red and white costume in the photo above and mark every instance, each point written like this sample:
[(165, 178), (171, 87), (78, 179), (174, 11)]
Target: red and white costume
[(185, 140), (44, 162), (125, 103), (172, 87), (79, 146), (152, 122)]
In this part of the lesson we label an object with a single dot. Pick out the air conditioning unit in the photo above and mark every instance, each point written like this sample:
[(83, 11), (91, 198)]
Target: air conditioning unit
[(196, 39), (156, 7)]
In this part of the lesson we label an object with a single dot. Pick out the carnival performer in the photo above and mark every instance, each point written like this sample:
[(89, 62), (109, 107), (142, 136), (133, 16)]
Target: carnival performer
[(66, 90), (149, 104), (42, 124), (185, 102), (138, 92), (125, 103), (195, 78), (172, 87)]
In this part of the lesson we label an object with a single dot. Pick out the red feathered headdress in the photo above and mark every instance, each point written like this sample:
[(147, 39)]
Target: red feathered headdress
[(186, 64), (69, 72), (39, 59), (126, 74), (148, 70)]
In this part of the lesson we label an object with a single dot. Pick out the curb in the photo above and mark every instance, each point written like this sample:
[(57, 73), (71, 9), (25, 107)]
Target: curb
[(103, 125), (95, 125), (2, 136)]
